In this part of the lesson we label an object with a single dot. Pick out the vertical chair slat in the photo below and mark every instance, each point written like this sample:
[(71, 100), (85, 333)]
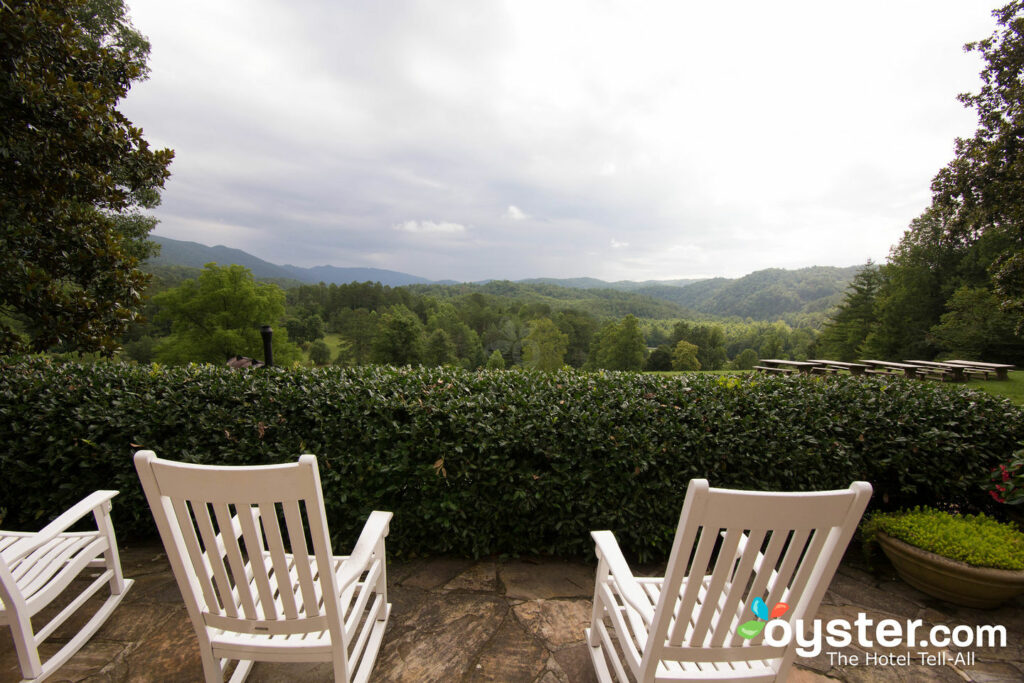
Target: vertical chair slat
[(721, 572), (212, 555), (297, 540), (234, 554), (282, 575), (739, 578), (799, 583), (762, 578), (698, 568), (780, 586), (254, 549)]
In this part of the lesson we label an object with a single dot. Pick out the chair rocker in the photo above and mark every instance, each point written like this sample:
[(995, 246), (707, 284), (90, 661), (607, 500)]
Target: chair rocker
[(736, 555), (236, 539), (37, 567)]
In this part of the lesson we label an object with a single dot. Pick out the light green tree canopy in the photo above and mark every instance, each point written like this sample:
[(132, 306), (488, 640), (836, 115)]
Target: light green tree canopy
[(545, 346), (219, 315), (319, 352), (684, 356), (496, 361)]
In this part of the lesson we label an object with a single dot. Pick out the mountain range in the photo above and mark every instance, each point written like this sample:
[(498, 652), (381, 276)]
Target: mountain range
[(770, 294)]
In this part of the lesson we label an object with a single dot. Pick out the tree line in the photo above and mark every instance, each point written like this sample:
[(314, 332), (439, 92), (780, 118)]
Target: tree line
[(217, 314), (954, 284)]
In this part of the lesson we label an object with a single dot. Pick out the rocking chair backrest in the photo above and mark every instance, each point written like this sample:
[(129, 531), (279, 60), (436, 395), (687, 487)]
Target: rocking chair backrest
[(732, 547), (238, 567)]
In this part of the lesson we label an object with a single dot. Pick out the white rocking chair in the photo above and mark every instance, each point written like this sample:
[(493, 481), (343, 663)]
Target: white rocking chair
[(257, 594), (36, 567), (775, 551)]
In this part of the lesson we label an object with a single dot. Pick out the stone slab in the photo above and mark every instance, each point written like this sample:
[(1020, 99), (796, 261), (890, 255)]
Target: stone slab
[(441, 638), (526, 580), (512, 656), (557, 622)]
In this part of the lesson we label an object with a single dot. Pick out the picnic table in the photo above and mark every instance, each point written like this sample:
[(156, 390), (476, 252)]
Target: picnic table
[(1001, 369), (949, 371), (779, 365), (888, 368), (852, 368)]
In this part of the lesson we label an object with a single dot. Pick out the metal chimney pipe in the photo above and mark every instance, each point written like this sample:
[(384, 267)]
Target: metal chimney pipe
[(268, 348)]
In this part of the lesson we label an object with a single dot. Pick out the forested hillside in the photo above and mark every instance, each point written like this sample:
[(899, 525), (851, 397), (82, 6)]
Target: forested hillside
[(206, 315), (772, 294), (800, 297), (604, 303)]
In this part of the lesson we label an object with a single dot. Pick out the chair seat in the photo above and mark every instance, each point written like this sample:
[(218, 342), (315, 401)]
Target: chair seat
[(47, 570), (652, 587)]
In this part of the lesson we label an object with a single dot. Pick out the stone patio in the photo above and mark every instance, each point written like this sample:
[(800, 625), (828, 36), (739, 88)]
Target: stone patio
[(506, 620)]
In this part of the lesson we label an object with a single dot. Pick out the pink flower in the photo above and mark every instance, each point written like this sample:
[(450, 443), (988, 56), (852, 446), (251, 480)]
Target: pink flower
[(996, 496)]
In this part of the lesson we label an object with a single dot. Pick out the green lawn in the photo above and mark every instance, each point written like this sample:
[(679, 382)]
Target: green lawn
[(331, 340), (1012, 389)]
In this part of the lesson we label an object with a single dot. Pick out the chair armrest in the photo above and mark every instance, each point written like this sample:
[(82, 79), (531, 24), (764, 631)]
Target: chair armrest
[(96, 502), (374, 531), (621, 575)]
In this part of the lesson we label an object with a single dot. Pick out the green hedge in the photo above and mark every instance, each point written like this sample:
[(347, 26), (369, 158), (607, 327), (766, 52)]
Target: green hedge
[(486, 462)]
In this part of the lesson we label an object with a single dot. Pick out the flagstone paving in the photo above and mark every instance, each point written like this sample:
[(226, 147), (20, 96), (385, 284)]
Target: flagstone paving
[(513, 620)]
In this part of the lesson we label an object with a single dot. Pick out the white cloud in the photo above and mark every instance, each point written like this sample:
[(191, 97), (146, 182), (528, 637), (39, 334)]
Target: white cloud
[(430, 227), (319, 127), (515, 213)]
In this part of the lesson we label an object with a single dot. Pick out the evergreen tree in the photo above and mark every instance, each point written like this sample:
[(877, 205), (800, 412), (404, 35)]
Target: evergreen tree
[(439, 349), (843, 336), (399, 338), (619, 346)]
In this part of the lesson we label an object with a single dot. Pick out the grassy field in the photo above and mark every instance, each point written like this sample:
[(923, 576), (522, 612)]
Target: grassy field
[(1012, 389)]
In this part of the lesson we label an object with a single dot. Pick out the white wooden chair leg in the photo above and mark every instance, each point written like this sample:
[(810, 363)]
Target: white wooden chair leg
[(25, 646), (213, 672), (382, 582), (111, 556)]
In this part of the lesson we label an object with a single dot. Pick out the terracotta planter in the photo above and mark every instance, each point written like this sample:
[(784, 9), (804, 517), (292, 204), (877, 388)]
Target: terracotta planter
[(951, 580)]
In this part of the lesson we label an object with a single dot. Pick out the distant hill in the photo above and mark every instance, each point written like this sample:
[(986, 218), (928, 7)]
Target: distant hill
[(605, 303), (195, 255), (770, 294), (762, 295), (594, 283)]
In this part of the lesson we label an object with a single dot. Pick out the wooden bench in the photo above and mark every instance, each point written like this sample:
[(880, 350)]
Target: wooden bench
[(778, 371)]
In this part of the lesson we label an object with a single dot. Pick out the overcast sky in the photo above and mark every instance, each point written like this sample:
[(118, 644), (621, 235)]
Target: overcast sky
[(618, 140)]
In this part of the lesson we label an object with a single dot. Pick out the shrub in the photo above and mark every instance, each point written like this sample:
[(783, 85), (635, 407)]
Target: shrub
[(977, 540), (1006, 482), (475, 463)]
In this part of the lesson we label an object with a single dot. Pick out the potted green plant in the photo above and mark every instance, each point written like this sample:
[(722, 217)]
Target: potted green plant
[(970, 560)]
